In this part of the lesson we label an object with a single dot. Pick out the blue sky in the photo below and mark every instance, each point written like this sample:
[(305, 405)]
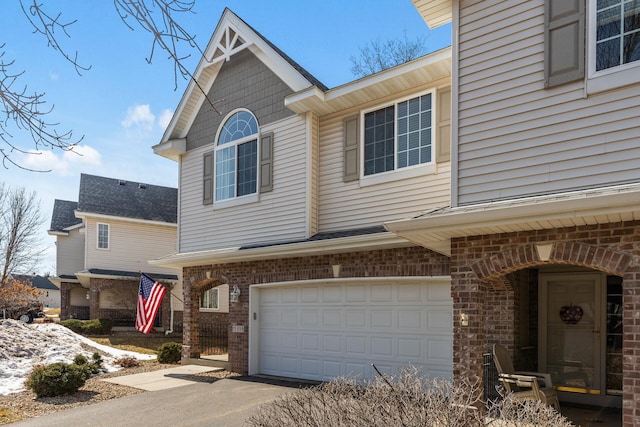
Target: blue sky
[(122, 104)]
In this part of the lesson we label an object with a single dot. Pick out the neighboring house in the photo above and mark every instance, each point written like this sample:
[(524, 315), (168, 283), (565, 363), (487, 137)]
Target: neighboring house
[(50, 293), (284, 187), (104, 242), (544, 224)]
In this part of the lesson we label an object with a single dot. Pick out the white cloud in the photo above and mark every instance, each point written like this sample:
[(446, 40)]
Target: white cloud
[(66, 163), (139, 116), (165, 118)]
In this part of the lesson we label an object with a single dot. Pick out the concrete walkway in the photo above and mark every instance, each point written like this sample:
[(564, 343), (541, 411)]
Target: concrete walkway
[(163, 379)]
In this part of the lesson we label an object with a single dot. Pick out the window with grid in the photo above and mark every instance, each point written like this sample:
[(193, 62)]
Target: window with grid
[(617, 33), (398, 136), (103, 236), (236, 162)]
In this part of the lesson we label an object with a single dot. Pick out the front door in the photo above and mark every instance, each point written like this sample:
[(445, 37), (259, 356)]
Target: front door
[(573, 336)]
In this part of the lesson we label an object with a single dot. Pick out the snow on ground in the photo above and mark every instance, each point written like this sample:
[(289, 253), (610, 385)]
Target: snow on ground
[(23, 346)]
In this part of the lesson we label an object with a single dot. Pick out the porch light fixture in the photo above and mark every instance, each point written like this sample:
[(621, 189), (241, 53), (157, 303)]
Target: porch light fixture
[(234, 295), (88, 295)]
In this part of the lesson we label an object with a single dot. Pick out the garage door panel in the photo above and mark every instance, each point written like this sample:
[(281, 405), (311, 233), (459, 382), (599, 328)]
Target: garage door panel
[(322, 332), (439, 320), (356, 318), (332, 343), (382, 293), (381, 318)]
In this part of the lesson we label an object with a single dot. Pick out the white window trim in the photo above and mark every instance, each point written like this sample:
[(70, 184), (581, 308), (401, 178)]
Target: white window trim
[(209, 310), (98, 236), (406, 172), (611, 78), (235, 200)]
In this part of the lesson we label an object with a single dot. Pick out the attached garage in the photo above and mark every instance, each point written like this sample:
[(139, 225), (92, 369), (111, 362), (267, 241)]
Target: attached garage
[(322, 329)]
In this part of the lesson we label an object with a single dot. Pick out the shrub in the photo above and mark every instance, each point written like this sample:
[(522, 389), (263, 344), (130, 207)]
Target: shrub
[(92, 367), (170, 352), (62, 378), (89, 327), (56, 379), (128, 362), (74, 324), (406, 400)]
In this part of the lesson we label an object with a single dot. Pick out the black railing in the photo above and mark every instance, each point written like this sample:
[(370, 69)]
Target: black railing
[(490, 378), (213, 339)]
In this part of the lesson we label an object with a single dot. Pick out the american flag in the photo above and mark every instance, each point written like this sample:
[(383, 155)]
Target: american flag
[(150, 294)]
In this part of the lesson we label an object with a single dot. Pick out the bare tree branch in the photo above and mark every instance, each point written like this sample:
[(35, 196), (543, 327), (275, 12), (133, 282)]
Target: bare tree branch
[(377, 55), (157, 17), (21, 110), (47, 25)]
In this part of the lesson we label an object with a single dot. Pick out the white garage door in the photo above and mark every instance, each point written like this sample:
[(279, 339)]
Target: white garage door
[(326, 330)]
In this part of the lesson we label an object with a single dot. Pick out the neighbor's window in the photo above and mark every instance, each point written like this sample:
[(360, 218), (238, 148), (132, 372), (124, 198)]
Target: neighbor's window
[(209, 299), (398, 136), (236, 157), (617, 33), (103, 236)]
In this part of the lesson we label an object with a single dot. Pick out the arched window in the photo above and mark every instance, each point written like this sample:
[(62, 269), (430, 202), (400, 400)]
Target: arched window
[(236, 162)]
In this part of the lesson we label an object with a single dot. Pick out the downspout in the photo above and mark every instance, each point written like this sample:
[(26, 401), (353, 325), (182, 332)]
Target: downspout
[(170, 330)]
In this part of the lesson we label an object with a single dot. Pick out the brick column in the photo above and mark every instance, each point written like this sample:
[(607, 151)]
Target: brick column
[(191, 322)]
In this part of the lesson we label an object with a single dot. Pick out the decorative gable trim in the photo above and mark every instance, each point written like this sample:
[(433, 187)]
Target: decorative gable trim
[(231, 36)]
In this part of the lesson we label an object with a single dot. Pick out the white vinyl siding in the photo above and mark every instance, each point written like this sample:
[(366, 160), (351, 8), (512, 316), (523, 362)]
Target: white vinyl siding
[(70, 252), (345, 205), (276, 216), (516, 138), (132, 245)]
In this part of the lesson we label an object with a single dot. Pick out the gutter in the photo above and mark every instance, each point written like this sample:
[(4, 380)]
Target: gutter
[(285, 250)]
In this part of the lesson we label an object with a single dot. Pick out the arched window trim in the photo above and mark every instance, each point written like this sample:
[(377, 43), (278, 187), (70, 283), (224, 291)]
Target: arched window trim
[(235, 143)]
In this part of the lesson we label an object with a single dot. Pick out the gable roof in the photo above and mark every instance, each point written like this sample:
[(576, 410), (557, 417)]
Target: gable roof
[(120, 198), (36, 281), (63, 217), (231, 36)]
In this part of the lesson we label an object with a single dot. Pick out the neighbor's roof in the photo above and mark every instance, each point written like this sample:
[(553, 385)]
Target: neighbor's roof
[(117, 197), (36, 281), (63, 215)]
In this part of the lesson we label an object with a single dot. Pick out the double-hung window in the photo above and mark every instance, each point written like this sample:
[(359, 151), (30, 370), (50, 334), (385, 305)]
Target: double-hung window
[(617, 40), (398, 136), (236, 157), (103, 236)]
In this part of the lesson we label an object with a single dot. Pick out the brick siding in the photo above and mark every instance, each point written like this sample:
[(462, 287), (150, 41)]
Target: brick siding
[(484, 288), (412, 261)]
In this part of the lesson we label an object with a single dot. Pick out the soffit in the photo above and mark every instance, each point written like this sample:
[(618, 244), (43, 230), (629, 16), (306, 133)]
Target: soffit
[(434, 12), (419, 72), (435, 229)]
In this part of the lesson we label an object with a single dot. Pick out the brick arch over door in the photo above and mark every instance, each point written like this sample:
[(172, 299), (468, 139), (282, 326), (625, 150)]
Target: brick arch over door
[(193, 285), (493, 269)]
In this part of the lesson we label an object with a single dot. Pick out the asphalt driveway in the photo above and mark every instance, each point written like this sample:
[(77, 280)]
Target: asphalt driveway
[(227, 402)]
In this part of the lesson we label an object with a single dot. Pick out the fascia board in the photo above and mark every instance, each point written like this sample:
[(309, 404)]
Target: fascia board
[(90, 215), (495, 215), (317, 247)]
